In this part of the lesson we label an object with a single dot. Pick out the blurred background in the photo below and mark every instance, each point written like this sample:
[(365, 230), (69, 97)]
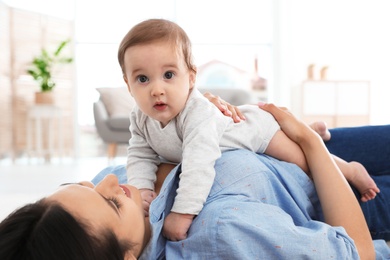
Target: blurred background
[(324, 59), (233, 43)]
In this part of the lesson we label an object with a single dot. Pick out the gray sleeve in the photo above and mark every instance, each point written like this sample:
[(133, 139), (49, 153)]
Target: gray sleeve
[(202, 127), (142, 160)]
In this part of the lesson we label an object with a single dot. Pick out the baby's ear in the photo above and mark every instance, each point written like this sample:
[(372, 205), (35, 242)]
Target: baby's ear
[(127, 84), (125, 79), (192, 79)]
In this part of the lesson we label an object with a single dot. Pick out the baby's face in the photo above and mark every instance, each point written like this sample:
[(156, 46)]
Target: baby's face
[(158, 79)]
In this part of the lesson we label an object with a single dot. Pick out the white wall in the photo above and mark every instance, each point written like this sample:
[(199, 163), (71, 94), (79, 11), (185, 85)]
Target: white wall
[(350, 36)]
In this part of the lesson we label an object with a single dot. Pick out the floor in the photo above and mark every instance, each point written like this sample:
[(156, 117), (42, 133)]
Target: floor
[(26, 180)]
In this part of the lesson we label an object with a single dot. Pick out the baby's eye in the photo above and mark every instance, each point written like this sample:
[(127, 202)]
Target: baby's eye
[(168, 75), (142, 79)]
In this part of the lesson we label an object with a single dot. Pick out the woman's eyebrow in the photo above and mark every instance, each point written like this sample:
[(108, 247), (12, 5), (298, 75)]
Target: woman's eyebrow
[(109, 203), (70, 183)]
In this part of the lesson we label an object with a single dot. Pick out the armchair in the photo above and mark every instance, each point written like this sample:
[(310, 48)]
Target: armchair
[(113, 131), (111, 112)]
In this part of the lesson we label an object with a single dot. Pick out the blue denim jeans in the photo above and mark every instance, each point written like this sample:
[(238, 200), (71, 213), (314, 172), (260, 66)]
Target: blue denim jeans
[(369, 145)]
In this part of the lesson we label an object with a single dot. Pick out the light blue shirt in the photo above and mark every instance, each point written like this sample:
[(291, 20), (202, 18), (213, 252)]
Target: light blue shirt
[(266, 210), (258, 208)]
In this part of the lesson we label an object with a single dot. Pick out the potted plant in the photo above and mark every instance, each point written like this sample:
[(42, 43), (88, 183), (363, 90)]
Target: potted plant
[(41, 70)]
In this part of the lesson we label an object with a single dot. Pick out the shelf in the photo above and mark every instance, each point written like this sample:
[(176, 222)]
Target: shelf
[(338, 103)]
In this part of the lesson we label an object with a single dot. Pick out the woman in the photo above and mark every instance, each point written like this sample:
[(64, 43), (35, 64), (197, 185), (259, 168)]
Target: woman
[(79, 222)]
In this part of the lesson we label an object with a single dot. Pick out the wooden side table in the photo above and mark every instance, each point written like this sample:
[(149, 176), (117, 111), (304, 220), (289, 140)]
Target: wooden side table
[(42, 118)]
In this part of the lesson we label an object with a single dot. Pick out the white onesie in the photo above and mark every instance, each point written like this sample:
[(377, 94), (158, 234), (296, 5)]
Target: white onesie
[(196, 138)]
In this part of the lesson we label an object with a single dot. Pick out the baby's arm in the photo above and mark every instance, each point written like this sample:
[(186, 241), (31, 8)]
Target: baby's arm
[(142, 162), (283, 148), (147, 197), (176, 226), (201, 127)]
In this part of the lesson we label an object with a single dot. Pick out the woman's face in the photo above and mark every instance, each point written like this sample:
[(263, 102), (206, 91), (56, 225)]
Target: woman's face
[(107, 205)]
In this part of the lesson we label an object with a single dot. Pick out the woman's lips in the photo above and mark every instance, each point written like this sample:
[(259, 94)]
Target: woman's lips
[(126, 190)]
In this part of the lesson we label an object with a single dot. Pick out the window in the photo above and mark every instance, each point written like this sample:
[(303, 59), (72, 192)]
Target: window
[(232, 33), (227, 34)]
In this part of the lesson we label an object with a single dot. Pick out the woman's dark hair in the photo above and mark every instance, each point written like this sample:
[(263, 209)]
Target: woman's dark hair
[(45, 230)]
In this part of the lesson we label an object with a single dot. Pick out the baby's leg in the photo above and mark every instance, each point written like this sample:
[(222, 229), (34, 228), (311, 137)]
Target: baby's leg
[(321, 129), (358, 177), (283, 148)]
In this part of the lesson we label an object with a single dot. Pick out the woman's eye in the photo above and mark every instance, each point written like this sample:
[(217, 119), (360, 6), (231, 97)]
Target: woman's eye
[(116, 202), (168, 75), (142, 78)]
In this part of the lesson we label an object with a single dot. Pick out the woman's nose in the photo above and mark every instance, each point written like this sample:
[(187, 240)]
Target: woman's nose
[(107, 184)]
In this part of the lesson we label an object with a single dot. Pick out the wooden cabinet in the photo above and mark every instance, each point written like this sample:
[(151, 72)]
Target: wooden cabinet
[(260, 95), (338, 103)]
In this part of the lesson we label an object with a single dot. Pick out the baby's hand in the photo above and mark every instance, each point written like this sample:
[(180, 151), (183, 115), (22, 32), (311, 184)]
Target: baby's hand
[(147, 197), (176, 226)]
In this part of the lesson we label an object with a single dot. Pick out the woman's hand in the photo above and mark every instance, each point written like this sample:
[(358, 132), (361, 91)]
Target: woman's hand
[(295, 129), (226, 108)]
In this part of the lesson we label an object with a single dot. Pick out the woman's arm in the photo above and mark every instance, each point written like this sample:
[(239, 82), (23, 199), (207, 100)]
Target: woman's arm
[(339, 204)]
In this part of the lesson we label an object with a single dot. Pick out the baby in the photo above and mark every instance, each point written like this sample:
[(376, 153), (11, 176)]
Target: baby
[(173, 121)]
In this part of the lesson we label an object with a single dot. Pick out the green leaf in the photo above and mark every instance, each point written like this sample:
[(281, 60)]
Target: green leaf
[(41, 66)]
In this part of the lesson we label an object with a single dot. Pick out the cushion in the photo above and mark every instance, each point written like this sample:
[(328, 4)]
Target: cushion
[(121, 124), (118, 101)]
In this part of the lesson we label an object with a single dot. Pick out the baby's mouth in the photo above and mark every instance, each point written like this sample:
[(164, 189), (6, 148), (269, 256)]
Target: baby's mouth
[(160, 106)]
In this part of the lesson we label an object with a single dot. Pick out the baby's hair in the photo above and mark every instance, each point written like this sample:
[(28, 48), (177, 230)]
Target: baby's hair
[(155, 30)]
